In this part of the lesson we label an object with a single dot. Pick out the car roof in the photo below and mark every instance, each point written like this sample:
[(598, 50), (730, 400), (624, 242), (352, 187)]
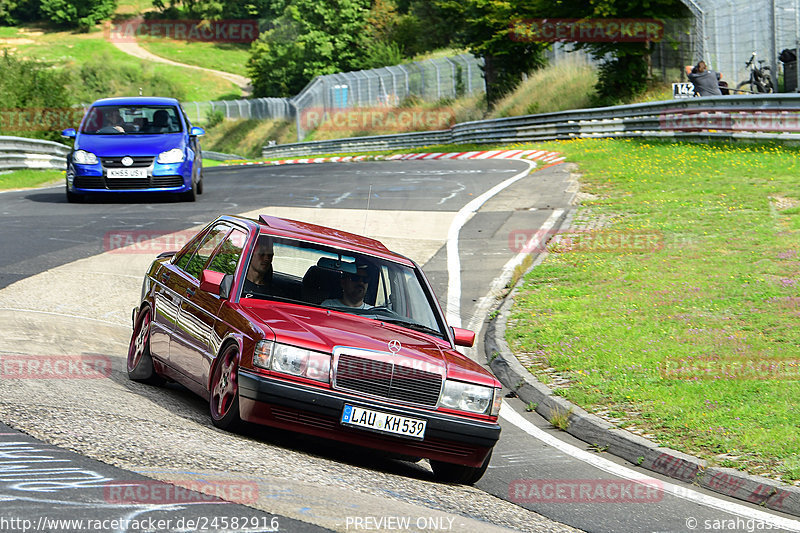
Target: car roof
[(136, 100), (296, 229)]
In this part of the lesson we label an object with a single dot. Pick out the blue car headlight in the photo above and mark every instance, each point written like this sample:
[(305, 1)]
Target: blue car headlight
[(175, 155), (82, 157)]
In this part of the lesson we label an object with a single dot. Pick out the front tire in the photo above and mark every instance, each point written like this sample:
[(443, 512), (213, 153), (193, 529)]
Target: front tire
[(224, 397), (452, 473), (191, 195), (74, 198), (140, 362)]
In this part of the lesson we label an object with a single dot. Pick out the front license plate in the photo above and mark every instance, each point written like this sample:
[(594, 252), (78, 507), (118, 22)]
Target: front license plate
[(126, 172), (383, 422)]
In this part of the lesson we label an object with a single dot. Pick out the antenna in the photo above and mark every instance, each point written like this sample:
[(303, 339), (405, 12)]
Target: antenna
[(366, 215)]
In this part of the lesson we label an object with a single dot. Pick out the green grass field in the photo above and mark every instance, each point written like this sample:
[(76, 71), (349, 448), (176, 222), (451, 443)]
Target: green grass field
[(689, 334), (28, 178)]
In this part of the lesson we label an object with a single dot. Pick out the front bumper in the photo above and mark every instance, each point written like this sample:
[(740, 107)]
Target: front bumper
[(317, 412), (176, 177)]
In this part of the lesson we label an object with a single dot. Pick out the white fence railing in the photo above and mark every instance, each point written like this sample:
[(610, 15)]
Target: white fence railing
[(19, 153), (771, 117)]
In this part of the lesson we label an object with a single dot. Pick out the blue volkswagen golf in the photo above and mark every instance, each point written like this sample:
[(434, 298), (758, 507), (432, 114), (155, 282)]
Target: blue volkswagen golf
[(137, 144)]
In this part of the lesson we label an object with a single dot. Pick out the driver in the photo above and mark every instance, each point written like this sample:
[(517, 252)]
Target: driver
[(354, 288), (259, 274)]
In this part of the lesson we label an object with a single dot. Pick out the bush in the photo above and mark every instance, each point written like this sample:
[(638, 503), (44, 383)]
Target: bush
[(81, 14), (101, 77), (36, 99), (214, 117), (621, 79)]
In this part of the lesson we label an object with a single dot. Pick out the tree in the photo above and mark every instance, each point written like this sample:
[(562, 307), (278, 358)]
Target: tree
[(484, 28), (82, 14), (213, 9), (308, 39), (624, 68)]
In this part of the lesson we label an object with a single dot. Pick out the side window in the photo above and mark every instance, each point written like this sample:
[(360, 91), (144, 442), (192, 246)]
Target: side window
[(198, 260), (227, 257), (184, 255)]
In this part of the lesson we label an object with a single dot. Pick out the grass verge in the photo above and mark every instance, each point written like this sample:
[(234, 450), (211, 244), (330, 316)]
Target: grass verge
[(27, 178), (678, 319), (227, 57)]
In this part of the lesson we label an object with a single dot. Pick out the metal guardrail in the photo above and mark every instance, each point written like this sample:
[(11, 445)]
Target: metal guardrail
[(770, 117), (19, 153), (220, 156)]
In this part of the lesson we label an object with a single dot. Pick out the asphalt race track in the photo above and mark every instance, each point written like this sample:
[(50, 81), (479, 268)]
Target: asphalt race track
[(66, 290)]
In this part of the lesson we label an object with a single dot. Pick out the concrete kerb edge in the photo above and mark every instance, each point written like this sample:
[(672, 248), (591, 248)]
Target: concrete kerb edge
[(608, 438)]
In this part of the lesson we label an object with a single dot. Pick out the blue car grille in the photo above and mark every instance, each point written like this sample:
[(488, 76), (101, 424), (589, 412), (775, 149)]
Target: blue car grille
[(116, 162), (386, 380), (153, 182)]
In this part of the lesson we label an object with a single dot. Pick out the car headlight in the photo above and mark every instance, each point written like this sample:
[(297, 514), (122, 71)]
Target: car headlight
[(82, 157), (468, 397), (171, 156), (292, 360)]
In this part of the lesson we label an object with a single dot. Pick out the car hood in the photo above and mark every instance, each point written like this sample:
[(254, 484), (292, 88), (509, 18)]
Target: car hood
[(321, 330), (130, 144)]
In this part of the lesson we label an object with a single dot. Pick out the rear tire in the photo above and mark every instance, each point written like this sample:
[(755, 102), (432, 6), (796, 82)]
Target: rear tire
[(200, 184), (745, 85), (452, 473), (140, 362)]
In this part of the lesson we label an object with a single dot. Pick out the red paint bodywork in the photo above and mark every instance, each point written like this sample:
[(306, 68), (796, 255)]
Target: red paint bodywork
[(185, 343)]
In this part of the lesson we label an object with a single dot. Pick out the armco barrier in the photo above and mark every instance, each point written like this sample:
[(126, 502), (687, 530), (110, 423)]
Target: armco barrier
[(19, 152), (742, 117)]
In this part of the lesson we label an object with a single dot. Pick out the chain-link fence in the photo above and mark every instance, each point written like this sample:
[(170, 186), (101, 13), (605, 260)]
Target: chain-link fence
[(727, 32), (429, 80), (261, 108)]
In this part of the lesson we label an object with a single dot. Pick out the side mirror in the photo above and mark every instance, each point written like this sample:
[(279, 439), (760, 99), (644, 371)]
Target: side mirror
[(463, 337), (197, 131), (69, 133), (216, 283)]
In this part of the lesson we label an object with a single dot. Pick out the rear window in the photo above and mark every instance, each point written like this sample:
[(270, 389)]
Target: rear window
[(121, 120)]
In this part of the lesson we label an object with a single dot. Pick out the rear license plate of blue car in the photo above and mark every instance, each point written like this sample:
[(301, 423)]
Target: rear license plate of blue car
[(383, 422)]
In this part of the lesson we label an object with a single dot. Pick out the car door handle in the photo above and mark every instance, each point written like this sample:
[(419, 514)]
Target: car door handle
[(190, 292), (165, 277)]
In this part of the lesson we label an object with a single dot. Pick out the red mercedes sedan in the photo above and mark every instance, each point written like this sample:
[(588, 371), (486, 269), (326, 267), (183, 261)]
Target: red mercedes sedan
[(320, 331)]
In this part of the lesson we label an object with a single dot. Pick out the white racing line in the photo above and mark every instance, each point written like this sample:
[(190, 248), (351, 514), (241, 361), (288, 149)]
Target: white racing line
[(453, 262), (508, 413)]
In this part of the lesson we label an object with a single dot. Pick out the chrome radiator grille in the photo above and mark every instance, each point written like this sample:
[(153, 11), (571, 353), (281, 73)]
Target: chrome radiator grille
[(387, 380)]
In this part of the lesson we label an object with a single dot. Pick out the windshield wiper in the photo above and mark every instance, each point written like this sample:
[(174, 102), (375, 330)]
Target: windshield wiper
[(416, 326)]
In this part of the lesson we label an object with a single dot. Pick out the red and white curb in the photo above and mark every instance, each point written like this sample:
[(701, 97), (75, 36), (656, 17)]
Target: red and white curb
[(537, 155)]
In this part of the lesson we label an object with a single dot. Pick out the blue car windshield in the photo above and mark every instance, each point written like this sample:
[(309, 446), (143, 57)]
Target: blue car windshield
[(120, 120)]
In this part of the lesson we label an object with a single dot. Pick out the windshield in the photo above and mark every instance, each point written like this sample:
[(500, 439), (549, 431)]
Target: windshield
[(341, 280), (121, 120)]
